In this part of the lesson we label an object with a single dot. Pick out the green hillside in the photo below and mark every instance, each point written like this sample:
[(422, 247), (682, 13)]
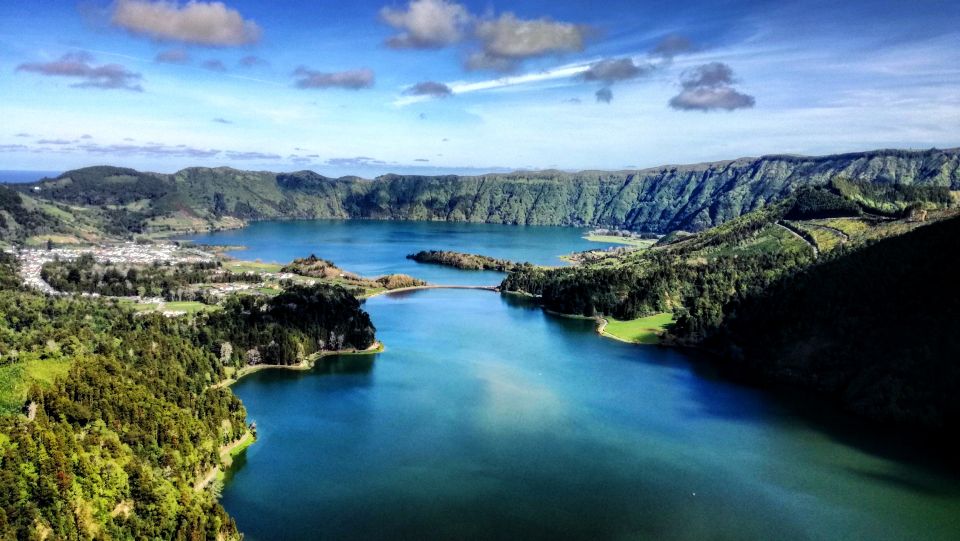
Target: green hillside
[(662, 199), (874, 328)]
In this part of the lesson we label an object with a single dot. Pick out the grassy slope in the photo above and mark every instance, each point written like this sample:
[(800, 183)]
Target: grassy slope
[(16, 379), (644, 330)]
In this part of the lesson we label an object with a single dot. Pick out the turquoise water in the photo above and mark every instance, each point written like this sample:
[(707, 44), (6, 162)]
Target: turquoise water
[(373, 247), (486, 418)]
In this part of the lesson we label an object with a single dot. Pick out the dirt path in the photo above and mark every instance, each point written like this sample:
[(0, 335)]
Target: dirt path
[(816, 250)]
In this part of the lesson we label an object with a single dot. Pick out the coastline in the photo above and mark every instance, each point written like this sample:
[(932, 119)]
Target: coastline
[(307, 364), (227, 452)]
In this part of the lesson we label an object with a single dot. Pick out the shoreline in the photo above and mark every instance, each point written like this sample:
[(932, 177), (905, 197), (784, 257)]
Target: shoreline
[(307, 364), (430, 286), (227, 452)]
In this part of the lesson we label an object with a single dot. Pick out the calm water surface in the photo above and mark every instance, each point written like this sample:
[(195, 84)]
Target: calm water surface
[(374, 247), (487, 418)]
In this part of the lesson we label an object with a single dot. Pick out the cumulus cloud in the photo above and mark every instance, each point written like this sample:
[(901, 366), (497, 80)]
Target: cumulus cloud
[(506, 41), (427, 24), (351, 79), (172, 56), (214, 65), (429, 88), (23, 134), (251, 61), (202, 23), (219, 120), (424, 160), (86, 136), (12, 148), (604, 95), (709, 87), (613, 70), (79, 66)]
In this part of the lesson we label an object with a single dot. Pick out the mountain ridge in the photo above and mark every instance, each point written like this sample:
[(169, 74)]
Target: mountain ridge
[(661, 199)]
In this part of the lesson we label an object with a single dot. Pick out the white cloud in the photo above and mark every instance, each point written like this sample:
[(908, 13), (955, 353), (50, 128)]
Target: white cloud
[(201, 23), (427, 24)]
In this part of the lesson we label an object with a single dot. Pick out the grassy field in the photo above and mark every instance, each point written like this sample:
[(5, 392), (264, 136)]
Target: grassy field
[(251, 266), (16, 378), (614, 239), (645, 330), (190, 307)]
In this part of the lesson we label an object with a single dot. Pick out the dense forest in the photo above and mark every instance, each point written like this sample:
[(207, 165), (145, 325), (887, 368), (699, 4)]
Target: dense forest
[(873, 327), (286, 328), (171, 281), (658, 200), (112, 445), (110, 418), (460, 260)]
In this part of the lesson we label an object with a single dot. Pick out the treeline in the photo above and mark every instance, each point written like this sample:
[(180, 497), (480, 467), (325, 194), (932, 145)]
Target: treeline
[(285, 329), (113, 449), (465, 261), (171, 281), (874, 328)]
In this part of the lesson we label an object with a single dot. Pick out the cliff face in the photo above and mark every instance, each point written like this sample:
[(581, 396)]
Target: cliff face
[(662, 199)]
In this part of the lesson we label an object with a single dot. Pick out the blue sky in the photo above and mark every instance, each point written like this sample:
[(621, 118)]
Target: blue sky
[(435, 86)]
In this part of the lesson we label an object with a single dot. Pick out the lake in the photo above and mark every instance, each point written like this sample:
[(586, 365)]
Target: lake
[(376, 247), (488, 418)]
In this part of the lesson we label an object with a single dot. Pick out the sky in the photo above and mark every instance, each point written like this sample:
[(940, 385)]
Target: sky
[(367, 87)]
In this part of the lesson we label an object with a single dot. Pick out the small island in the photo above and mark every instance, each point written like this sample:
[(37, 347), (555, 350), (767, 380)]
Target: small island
[(463, 261)]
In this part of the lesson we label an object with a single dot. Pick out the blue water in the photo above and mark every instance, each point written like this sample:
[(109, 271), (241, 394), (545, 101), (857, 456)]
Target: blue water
[(373, 248), (10, 176), (486, 418)]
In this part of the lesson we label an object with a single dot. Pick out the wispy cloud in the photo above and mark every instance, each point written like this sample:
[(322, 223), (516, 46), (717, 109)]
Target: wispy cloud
[(222, 121), (78, 65), (258, 156), (151, 150), (197, 22), (359, 161), (351, 79)]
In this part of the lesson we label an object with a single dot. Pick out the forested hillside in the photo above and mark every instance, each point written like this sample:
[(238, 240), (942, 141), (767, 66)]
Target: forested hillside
[(819, 290), (109, 419), (876, 328), (662, 199)]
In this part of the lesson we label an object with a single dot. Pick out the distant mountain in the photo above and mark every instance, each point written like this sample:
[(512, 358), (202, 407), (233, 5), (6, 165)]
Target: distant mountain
[(661, 199)]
